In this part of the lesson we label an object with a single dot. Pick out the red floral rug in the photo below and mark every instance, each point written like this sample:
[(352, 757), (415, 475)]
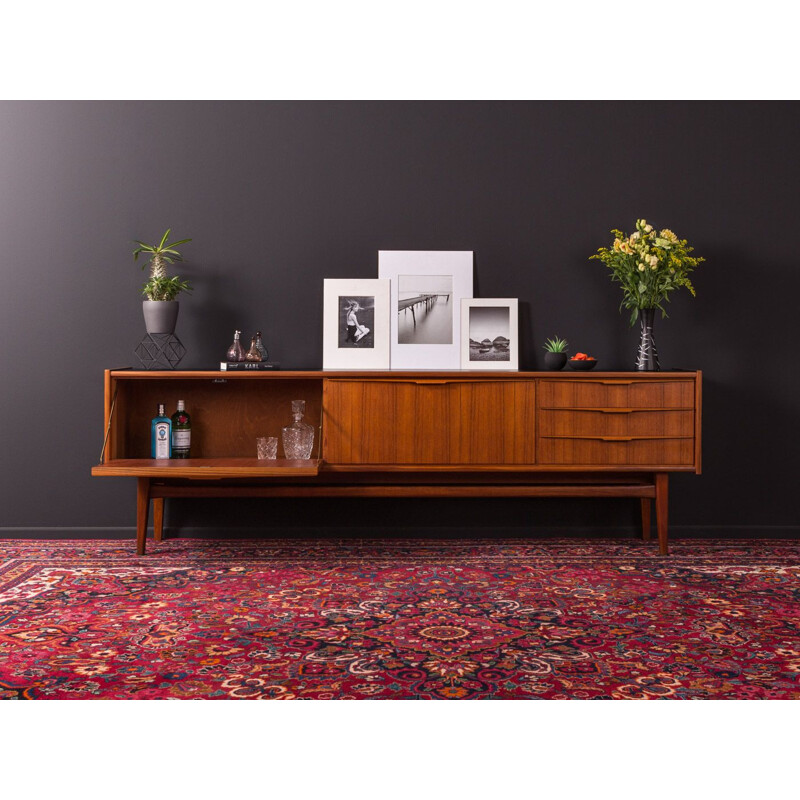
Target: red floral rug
[(386, 619)]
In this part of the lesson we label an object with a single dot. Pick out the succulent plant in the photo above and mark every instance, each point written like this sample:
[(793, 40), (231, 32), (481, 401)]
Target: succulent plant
[(159, 286), (556, 345)]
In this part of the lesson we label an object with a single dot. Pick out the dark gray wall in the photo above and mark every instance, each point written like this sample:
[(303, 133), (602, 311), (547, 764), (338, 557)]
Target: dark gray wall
[(278, 196)]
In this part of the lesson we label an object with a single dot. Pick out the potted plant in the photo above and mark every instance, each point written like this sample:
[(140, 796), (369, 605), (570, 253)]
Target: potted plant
[(649, 265), (161, 308), (556, 353)]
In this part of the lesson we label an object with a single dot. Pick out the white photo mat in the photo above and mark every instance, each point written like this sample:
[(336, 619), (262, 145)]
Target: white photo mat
[(427, 287), (355, 332), (490, 333)]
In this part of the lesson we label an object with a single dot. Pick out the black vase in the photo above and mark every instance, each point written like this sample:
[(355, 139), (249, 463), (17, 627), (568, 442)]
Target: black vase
[(555, 360), (647, 357)]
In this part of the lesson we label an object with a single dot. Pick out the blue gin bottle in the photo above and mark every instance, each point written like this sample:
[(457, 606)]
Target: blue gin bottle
[(161, 435)]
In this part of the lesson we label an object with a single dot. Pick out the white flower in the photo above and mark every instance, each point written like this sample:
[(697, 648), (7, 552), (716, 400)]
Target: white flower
[(648, 228), (641, 267), (635, 236)]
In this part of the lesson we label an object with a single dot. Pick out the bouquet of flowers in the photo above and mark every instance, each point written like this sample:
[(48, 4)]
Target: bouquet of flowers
[(649, 265)]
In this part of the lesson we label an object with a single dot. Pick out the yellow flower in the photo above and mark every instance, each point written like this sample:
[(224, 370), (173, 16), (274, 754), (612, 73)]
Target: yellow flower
[(669, 235), (641, 267), (648, 228)]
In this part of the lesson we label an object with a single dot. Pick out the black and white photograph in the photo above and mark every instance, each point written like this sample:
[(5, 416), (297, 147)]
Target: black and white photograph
[(425, 309), (355, 325), (427, 287), (489, 333), (356, 321)]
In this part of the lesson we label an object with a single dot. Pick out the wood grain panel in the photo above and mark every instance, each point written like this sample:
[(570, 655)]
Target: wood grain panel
[(445, 422), (616, 422), (645, 452), (616, 393)]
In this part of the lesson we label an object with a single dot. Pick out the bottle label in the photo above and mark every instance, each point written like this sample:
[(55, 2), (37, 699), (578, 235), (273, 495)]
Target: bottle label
[(181, 439), (162, 440)]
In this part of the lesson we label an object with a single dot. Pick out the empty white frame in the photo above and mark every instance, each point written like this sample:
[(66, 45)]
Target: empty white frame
[(355, 324), (489, 333), (427, 287)]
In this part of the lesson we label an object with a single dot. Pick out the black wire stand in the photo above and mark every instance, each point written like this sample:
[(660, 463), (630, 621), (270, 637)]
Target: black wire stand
[(160, 351)]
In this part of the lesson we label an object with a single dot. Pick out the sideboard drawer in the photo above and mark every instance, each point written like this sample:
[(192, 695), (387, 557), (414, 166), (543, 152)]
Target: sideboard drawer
[(429, 421), (616, 393), (615, 422), (612, 451)]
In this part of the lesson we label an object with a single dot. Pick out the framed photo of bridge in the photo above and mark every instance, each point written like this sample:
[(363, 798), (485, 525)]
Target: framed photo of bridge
[(489, 334), (427, 287), (356, 324)]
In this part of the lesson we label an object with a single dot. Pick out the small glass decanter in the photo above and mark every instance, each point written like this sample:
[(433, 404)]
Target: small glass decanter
[(298, 438), (260, 347), (252, 353), (235, 351)]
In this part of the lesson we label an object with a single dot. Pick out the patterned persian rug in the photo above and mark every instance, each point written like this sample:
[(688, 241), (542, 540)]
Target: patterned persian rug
[(399, 619)]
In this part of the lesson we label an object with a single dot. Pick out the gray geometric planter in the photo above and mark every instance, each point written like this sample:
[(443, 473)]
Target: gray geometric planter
[(160, 316)]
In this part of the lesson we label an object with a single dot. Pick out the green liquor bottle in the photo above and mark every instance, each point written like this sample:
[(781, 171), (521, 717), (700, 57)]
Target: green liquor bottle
[(181, 432)]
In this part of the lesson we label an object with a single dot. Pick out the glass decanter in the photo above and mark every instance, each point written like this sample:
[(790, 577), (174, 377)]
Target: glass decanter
[(260, 347), (298, 438), (235, 351), (252, 353)]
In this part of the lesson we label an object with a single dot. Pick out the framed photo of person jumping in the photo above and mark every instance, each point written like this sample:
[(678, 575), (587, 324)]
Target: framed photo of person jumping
[(355, 324), (489, 334)]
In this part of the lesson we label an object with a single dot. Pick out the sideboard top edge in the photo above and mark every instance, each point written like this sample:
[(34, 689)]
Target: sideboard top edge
[(132, 374)]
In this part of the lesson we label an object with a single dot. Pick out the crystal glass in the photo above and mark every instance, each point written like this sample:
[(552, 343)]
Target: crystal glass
[(267, 446), (298, 438)]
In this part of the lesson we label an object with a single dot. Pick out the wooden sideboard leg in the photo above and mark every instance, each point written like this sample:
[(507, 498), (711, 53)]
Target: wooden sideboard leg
[(662, 519), (645, 518), (158, 518), (142, 509)]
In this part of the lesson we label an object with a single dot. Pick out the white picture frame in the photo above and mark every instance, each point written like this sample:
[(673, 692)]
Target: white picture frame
[(345, 346), (490, 333), (426, 334)]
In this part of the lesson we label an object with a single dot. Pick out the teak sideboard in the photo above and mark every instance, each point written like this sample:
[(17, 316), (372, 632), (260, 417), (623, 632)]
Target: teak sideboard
[(411, 434)]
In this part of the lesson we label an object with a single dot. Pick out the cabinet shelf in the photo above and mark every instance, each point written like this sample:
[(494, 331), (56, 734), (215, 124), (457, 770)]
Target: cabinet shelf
[(207, 468)]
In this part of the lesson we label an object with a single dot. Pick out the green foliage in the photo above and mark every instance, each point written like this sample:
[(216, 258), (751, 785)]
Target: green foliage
[(165, 288), (159, 286), (649, 265), (556, 345)]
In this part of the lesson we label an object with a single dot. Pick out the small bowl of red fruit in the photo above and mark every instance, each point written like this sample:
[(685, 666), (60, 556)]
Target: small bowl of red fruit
[(582, 361)]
